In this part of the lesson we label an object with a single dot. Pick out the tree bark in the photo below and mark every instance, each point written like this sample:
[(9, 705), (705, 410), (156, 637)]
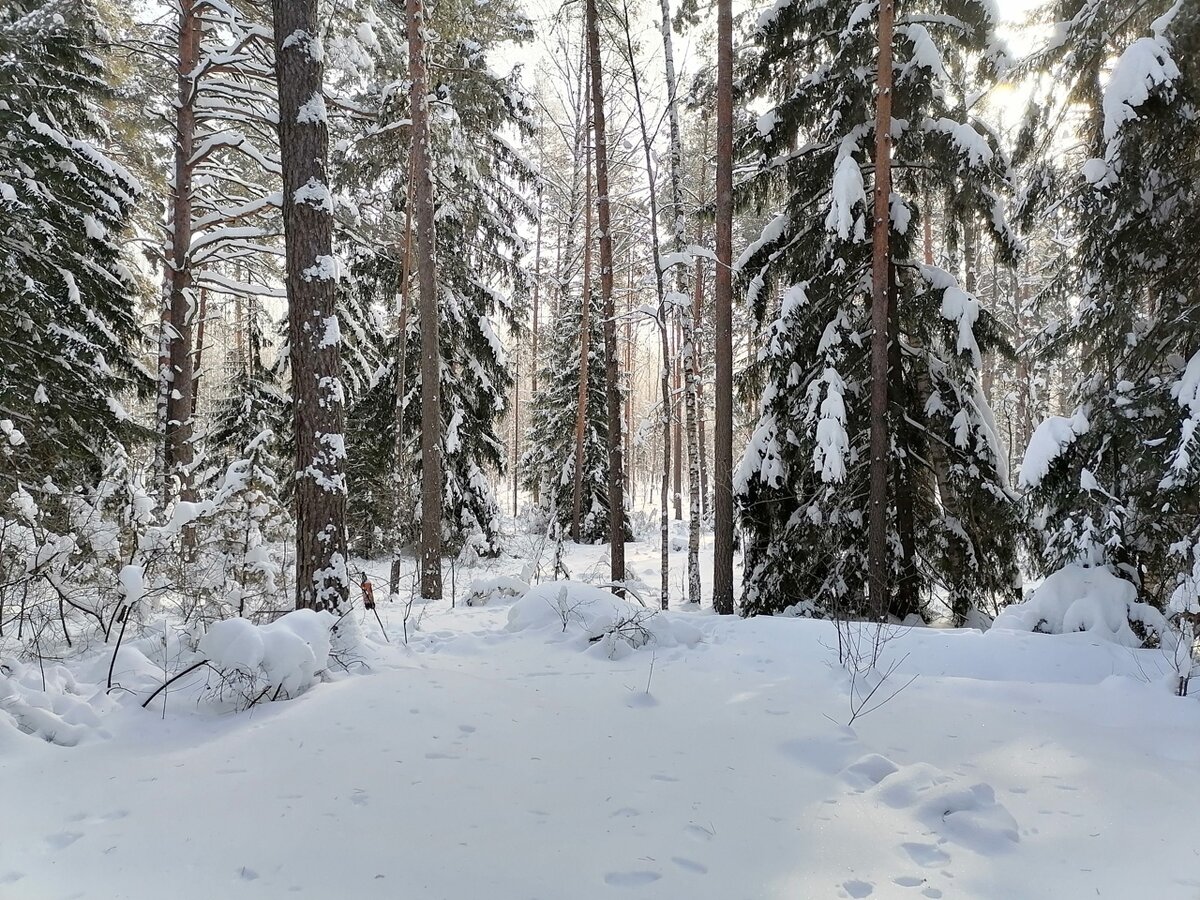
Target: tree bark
[(537, 284), (723, 321), (685, 321), (431, 361), (585, 330), (878, 575), (182, 311), (670, 451), (616, 477), (697, 327), (320, 487), (401, 481), (198, 366)]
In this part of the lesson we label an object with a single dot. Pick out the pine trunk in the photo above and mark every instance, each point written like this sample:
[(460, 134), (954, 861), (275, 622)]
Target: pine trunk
[(686, 361), (181, 311), (320, 488), (401, 483), (533, 353), (879, 580), (585, 330), (616, 477), (431, 362), (723, 321)]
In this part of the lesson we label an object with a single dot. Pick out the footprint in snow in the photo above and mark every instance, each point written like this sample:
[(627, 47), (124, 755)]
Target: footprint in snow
[(857, 889), (926, 854), (63, 839), (690, 865), (631, 879), (699, 833)]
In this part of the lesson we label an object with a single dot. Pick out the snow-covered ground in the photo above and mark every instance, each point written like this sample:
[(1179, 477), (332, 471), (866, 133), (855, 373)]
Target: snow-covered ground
[(515, 759)]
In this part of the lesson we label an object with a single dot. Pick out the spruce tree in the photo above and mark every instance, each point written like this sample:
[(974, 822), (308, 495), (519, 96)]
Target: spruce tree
[(549, 460), (1117, 482), (69, 338), (480, 199), (802, 483)]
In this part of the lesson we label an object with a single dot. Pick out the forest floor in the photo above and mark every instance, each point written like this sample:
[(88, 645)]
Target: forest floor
[(505, 761)]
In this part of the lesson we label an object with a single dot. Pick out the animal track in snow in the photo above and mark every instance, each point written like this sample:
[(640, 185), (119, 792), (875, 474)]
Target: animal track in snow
[(631, 879), (926, 854), (63, 839)]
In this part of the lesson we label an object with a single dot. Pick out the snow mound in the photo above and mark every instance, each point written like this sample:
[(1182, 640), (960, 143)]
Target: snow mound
[(490, 590), (1093, 600), (275, 661), (598, 619), (48, 703)]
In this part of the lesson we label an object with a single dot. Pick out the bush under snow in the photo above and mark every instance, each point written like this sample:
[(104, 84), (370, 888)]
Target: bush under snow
[(1093, 600), (282, 659), (488, 590), (598, 618)]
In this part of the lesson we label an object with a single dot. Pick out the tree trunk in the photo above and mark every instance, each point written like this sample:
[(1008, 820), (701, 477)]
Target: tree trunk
[(585, 331), (686, 361), (401, 478), (537, 284), (723, 321), (908, 599), (198, 366), (616, 477), (676, 426), (320, 486), (878, 574), (697, 327), (670, 462), (431, 361), (182, 311)]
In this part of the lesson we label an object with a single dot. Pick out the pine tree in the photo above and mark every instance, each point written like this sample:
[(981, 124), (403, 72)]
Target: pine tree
[(1117, 482), (802, 483), (69, 338), (549, 460)]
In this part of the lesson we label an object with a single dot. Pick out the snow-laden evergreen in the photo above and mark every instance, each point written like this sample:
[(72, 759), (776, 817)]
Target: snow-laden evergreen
[(69, 337), (802, 482), (481, 197), (548, 465), (1120, 487)]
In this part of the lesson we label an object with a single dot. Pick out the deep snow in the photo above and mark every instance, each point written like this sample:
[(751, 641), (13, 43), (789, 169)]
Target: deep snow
[(516, 759)]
